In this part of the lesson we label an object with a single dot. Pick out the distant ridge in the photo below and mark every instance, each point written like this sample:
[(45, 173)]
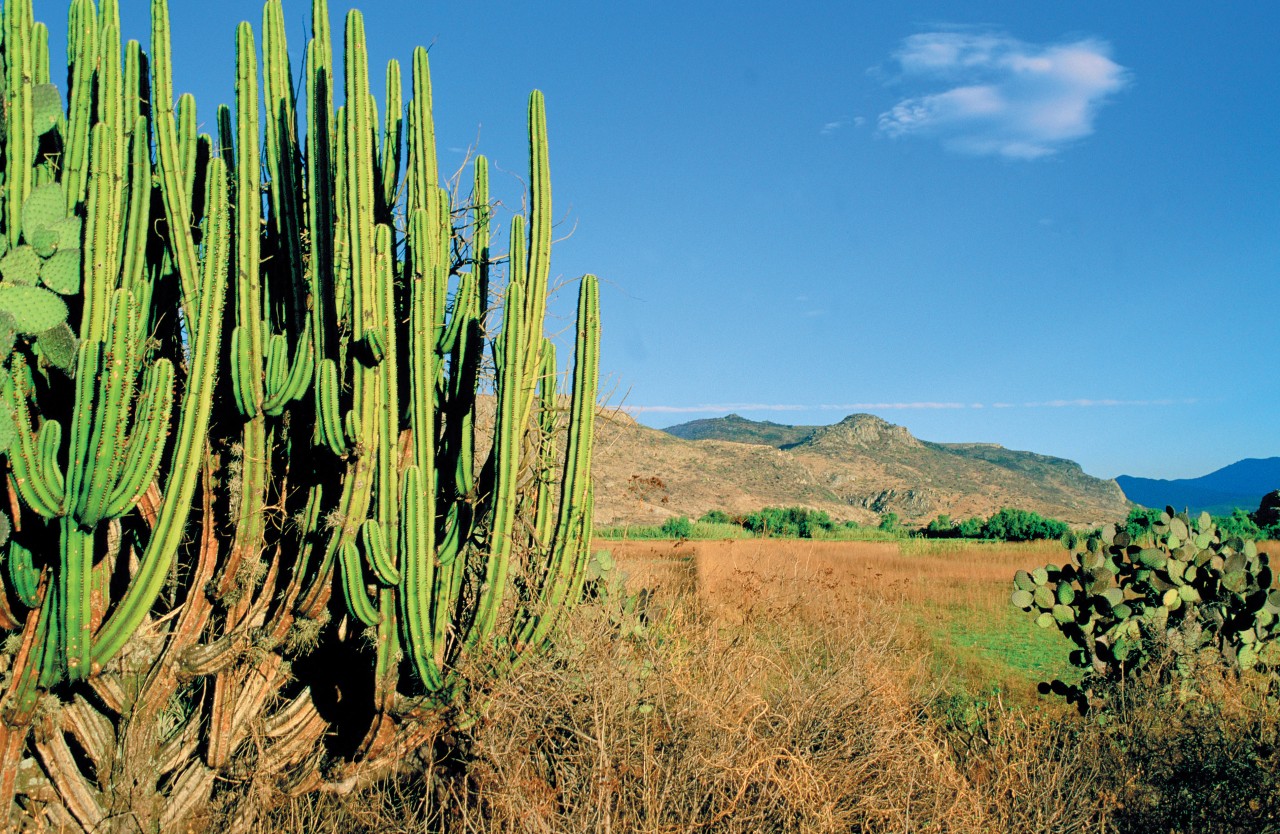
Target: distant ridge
[(858, 469), (1241, 484), (738, 429)]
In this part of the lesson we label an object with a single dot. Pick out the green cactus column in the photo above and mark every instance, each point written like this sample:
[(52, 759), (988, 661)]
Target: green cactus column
[(242, 392)]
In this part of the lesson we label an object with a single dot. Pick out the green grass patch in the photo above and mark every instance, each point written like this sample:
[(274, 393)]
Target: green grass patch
[(699, 531), (717, 531), (623, 532), (714, 531), (981, 652), (857, 534)]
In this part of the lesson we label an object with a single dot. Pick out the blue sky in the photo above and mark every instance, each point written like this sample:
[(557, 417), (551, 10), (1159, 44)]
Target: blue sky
[(1050, 226)]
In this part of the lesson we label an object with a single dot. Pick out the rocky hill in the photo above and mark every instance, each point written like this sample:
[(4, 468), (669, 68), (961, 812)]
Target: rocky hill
[(856, 469)]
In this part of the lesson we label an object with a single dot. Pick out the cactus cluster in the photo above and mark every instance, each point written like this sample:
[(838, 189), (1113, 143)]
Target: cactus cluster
[(1180, 587), (301, 427)]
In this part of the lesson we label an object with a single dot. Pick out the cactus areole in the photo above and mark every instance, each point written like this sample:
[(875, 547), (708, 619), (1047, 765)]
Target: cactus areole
[(276, 440)]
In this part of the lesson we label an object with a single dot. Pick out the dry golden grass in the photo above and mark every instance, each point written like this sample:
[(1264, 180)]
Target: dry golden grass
[(762, 688), (736, 576), (950, 599), (784, 686)]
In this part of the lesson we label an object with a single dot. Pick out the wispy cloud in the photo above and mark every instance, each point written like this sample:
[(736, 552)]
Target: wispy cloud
[(724, 408), (1002, 96), (841, 123)]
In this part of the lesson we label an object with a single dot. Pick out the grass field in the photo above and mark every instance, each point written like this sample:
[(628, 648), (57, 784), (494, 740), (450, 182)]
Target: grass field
[(951, 596), (800, 686)]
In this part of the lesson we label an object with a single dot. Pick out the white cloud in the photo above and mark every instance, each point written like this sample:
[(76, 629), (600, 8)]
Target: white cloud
[(1001, 95)]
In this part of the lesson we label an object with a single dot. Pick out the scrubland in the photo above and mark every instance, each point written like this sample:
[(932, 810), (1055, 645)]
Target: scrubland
[(790, 686)]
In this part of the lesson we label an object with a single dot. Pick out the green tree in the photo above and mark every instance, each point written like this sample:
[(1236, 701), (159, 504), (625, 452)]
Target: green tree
[(679, 527), (1239, 523), (796, 522), (1139, 522), (1012, 525), (941, 527)]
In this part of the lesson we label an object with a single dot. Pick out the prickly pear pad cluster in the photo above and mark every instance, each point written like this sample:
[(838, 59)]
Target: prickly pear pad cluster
[(1121, 598)]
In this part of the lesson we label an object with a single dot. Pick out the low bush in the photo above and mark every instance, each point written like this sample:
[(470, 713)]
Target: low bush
[(1209, 762), (719, 517), (679, 527), (1006, 525), (631, 531), (788, 522)]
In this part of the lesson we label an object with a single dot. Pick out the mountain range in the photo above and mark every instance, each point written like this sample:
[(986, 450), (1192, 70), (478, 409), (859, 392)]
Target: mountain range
[(856, 469), (1242, 484)]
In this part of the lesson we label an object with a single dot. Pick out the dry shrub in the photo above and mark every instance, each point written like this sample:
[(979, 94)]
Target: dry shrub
[(1204, 758), (788, 726), (1032, 771)]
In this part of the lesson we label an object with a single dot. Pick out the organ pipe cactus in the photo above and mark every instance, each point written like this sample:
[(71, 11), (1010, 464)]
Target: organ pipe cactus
[(202, 527), (1180, 585)]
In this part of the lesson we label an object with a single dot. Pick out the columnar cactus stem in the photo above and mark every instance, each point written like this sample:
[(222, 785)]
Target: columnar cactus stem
[(21, 138), (82, 49), (482, 214), (247, 338), (572, 531), (177, 199), (359, 134), (193, 426)]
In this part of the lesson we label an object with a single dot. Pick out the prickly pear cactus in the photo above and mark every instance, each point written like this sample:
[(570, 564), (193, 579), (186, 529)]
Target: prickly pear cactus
[(1180, 587)]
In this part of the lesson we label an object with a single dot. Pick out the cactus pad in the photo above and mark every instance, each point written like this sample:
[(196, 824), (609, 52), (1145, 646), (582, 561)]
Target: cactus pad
[(1123, 594), (45, 208), (59, 345), (46, 105), (45, 241), (8, 333), (61, 273), (69, 232), (20, 266), (34, 309)]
